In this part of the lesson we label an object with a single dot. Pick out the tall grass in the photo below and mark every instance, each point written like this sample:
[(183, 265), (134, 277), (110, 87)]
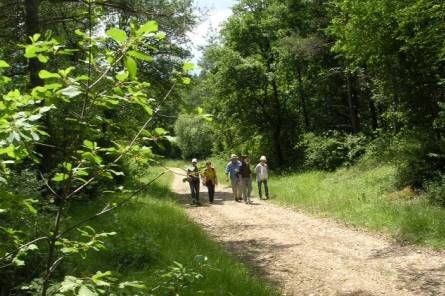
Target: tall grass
[(364, 196), (153, 232)]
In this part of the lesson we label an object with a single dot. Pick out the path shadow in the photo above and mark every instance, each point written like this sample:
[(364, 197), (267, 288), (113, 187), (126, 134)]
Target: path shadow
[(426, 281), (421, 280), (355, 293), (220, 198), (259, 256)]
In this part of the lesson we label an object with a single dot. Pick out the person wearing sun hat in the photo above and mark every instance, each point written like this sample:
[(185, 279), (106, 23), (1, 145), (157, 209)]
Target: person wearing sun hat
[(193, 179), (262, 176), (232, 173)]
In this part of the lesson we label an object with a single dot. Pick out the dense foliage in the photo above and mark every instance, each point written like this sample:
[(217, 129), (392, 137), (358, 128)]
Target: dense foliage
[(79, 102), (294, 75)]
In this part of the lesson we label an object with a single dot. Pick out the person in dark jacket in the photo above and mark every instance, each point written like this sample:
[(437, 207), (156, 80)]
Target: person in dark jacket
[(193, 179), (245, 176)]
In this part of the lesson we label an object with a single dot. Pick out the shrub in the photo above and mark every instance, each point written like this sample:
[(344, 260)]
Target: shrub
[(331, 150), (418, 156), (194, 136)]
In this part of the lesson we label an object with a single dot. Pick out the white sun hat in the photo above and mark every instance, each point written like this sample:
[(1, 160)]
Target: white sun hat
[(263, 158), (194, 160)]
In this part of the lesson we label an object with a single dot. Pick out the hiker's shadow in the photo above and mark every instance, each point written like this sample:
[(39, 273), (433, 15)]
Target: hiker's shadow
[(220, 198)]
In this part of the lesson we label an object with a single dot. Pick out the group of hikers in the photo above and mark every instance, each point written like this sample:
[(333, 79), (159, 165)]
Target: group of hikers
[(238, 171)]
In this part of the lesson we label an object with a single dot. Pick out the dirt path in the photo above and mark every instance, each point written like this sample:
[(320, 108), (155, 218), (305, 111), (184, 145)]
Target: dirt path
[(308, 256)]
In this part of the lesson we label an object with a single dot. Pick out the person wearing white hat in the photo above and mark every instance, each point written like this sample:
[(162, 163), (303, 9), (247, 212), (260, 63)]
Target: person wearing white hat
[(232, 172), (193, 179), (262, 176)]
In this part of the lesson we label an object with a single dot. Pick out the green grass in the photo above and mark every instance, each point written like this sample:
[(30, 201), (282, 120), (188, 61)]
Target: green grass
[(364, 196), (153, 232)]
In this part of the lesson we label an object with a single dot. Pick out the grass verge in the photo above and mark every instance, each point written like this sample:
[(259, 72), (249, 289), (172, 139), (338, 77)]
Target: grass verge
[(364, 196), (153, 232)]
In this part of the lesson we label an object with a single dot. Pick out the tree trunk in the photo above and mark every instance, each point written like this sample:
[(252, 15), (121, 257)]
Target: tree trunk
[(373, 111), (32, 25), (352, 106), (303, 98)]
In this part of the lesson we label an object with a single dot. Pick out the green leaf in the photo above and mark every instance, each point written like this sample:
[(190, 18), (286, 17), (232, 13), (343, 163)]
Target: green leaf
[(90, 145), (140, 55), (71, 91), (131, 66), (122, 75), (117, 35), (3, 211), (98, 278), (28, 203), (17, 262), (136, 285), (187, 67), (60, 177), (85, 291), (42, 58), (44, 74), (160, 131), (148, 27), (4, 64), (70, 283), (10, 151), (186, 80)]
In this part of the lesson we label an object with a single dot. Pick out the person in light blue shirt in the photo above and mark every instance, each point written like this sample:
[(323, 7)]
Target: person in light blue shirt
[(232, 172)]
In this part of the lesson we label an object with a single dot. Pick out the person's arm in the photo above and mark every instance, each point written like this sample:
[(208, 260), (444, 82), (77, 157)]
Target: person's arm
[(227, 172), (216, 176)]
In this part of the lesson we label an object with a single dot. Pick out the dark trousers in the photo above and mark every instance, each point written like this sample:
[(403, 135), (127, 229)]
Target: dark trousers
[(266, 188), (211, 188), (194, 188)]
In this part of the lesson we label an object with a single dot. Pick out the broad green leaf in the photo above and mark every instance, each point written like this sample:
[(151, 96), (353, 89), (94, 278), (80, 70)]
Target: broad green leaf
[(160, 131), (122, 75), (10, 151), (18, 262), (118, 35), (98, 278), (148, 27), (4, 64), (131, 67), (3, 211), (187, 67), (85, 291), (70, 283), (42, 58), (71, 91), (186, 80), (140, 55), (44, 74), (89, 144), (60, 177)]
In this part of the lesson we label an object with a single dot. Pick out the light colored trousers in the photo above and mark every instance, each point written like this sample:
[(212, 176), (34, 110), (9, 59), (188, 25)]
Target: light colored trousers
[(236, 188)]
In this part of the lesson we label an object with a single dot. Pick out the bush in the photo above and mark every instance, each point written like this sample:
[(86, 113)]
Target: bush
[(331, 150), (418, 156), (194, 136), (436, 190)]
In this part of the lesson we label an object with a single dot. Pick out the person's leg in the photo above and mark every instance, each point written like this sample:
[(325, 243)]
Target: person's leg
[(234, 189), (243, 188), (249, 187), (211, 189), (266, 188), (197, 191), (192, 190), (259, 190)]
